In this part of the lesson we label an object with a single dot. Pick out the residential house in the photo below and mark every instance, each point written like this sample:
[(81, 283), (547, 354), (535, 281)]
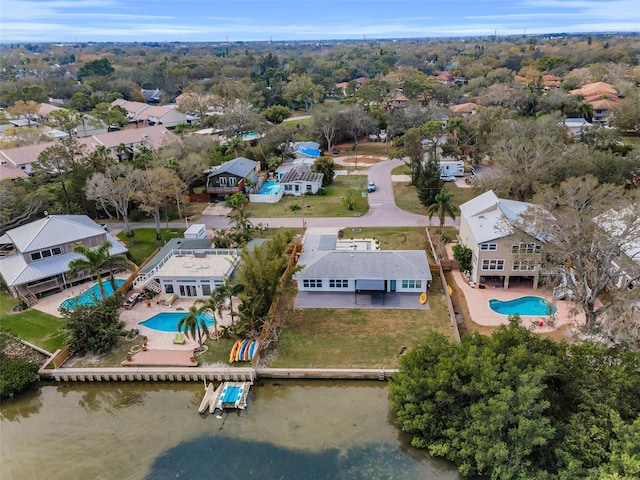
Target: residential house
[(464, 109), (88, 125), (139, 112), (602, 96), (623, 227), (503, 237), (34, 258), (19, 162), (301, 181), (187, 268), (358, 83), (333, 265), (231, 177), (576, 126), (551, 82), (152, 96)]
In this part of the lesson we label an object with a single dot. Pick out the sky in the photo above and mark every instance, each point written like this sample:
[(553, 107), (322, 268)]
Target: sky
[(282, 20)]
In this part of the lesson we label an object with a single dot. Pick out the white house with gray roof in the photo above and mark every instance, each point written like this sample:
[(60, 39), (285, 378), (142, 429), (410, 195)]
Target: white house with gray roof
[(34, 258), (329, 267), (504, 239)]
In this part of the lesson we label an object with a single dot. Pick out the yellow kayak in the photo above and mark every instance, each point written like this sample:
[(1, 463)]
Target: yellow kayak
[(234, 351), (423, 298)]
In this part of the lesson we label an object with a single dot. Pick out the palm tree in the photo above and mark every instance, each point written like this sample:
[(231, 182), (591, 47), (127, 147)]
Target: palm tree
[(124, 152), (117, 262), (442, 206), (213, 304), (95, 261), (228, 290), (194, 326)]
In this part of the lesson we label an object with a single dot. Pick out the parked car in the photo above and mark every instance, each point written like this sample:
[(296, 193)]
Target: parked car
[(105, 227), (371, 187), (335, 151), (447, 178)]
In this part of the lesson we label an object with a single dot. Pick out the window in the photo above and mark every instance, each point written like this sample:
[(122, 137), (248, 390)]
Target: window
[(56, 250), (489, 247), (312, 283), (411, 283), (36, 256), (493, 265), (287, 188), (232, 181), (338, 283), (526, 248), (223, 181), (206, 289), (524, 265), (46, 253), (168, 288)]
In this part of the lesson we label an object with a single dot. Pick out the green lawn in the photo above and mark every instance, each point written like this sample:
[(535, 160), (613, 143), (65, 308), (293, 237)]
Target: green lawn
[(357, 338), (406, 196), (31, 325), (391, 238), (401, 170), (144, 241), (329, 205)]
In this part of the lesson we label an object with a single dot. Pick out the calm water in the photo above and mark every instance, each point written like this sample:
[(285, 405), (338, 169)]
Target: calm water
[(168, 321), (291, 430), (530, 306), (91, 296)]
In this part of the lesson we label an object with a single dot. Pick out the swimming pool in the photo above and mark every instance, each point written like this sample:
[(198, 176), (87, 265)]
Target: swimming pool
[(168, 321), (529, 306), (91, 296), (270, 188)]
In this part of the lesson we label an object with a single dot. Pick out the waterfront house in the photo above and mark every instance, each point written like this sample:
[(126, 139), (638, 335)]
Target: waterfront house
[(503, 237), (34, 258)]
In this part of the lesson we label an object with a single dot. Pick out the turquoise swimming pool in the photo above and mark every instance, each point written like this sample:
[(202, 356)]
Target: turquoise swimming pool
[(270, 188), (168, 321), (91, 296), (526, 306)]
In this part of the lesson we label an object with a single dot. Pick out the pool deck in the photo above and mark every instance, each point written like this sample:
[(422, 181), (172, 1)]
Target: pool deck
[(478, 302), (156, 339)]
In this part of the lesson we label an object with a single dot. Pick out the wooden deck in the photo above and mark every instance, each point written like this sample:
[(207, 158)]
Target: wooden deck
[(161, 358)]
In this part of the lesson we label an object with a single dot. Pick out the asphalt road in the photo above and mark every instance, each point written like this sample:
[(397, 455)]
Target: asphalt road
[(383, 211)]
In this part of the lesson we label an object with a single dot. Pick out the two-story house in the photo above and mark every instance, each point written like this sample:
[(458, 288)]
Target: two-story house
[(503, 237), (231, 177), (34, 258)]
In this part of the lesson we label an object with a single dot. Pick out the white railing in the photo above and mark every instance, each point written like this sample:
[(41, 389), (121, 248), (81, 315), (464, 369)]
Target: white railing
[(142, 279)]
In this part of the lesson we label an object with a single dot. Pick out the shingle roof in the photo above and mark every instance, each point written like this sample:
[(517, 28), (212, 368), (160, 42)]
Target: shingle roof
[(371, 264), (300, 174), (238, 166)]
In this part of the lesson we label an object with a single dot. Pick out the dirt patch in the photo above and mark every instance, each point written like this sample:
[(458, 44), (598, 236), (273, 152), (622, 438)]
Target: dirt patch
[(16, 350)]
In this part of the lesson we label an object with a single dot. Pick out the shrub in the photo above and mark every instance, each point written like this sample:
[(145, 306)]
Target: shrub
[(15, 376)]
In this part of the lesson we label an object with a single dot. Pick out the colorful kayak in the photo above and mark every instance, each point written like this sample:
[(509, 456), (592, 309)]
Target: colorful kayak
[(252, 349), (240, 354), (234, 351)]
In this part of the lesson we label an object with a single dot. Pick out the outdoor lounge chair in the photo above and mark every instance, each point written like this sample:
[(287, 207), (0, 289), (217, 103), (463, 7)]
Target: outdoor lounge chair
[(179, 339)]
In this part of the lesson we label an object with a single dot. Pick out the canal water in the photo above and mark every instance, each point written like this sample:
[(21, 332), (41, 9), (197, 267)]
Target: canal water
[(290, 430)]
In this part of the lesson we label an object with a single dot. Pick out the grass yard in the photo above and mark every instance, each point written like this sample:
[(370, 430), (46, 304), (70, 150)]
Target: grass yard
[(406, 196), (329, 205), (356, 338), (391, 238), (401, 170), (31, 325), (144, 241)]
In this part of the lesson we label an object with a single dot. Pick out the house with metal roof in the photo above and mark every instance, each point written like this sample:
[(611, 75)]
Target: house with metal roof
[(331, 265), (505, 238), (231, 177), (34, 258), (301, 181)]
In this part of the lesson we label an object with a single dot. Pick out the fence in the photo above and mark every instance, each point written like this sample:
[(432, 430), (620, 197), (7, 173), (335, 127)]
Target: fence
[(445, 286)]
